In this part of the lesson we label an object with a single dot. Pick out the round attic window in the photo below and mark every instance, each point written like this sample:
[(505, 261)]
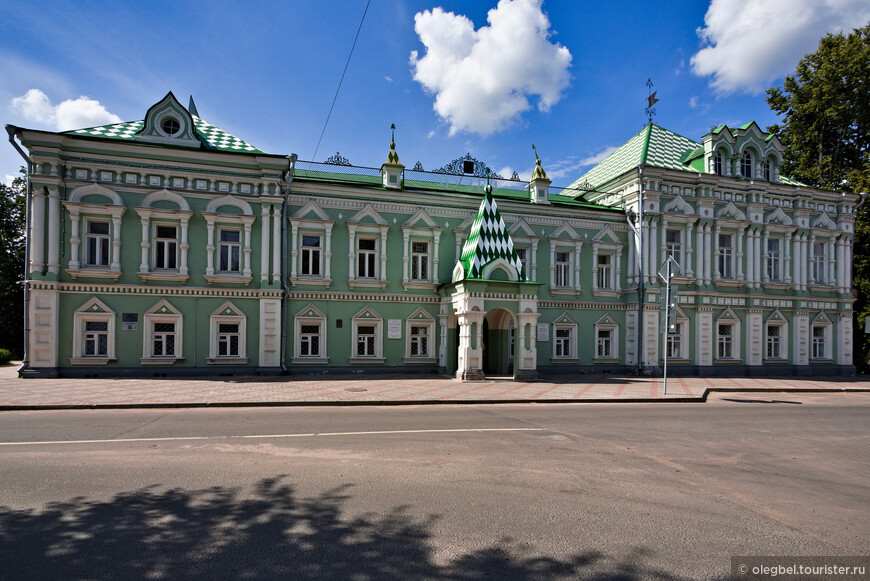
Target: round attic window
[(170, 126)]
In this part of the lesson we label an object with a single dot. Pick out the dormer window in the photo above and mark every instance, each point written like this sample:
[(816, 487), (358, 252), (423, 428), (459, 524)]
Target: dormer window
[(170, 126), (746, 165), (717, 164)]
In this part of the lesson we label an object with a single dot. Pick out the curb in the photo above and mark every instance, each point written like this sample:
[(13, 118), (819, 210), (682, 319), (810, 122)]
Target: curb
[(428, 402)]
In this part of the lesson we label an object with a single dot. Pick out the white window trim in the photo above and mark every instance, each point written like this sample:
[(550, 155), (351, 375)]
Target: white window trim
[(606, 243), (179, 218), (162, 312), (302, 248), (524, 237), (416, 320), (77, 211), (218, 317), (155, 245), (573, 246), (304, 318), (86, 226), (430, 233), (377, 230), (614, 342), (735, 340), (215, 221), (368, 317), (84, 314), (683, 325), (828, 354), (225, 228), (571, 357), (783, 341), (299, 226)]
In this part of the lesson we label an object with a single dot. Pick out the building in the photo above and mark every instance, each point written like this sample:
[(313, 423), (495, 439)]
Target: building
[(169, 247)]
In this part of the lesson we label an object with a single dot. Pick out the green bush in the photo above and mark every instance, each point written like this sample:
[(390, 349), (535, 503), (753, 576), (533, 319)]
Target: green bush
[(5, 356)]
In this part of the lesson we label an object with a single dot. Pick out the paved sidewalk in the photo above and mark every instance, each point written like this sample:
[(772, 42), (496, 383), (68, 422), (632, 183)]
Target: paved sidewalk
[(380, 389)]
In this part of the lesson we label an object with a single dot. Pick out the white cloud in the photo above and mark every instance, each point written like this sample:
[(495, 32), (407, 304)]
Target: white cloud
[(751, 43), (389, 79), (8, 180), (430, 135), (570, 166), (693, 102), (70, 114), (483, 79)]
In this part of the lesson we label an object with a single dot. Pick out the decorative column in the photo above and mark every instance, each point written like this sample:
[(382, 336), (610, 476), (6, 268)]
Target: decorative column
[(294, 250), (716, 253), (116, 241), (442, 341), (327, 253), (351, 252), (470, 362), (209, 248), (765, 258), (617, 284), (739, 234), (653, 252), (552, 264), (247, 248), (707, 248), (264, 242), (750, 257), (797, 261), (184, 246), (786, 246), (53, 228), (533, 261), (37, 230), (433, 271), (383, 249), (406, 259), (688, 260), (74, 240), (811, 250), (700, 255), (527, 364), (596, 283), (277, 268), (830, 266)]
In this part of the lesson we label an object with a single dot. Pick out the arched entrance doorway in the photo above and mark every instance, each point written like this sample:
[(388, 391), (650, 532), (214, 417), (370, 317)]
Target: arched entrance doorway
[(497, 343)]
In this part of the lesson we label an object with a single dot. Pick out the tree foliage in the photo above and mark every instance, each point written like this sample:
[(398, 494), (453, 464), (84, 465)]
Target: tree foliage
[(12, 208), (825, 110)]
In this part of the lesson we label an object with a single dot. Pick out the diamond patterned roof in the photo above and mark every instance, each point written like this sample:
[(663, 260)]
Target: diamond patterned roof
[(213, 137), (489, 240)]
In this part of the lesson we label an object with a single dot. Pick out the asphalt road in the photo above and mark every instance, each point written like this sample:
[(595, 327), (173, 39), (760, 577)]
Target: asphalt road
[(601, 491)]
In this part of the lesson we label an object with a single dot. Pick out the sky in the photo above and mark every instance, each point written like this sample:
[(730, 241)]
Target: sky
[(485, 77)]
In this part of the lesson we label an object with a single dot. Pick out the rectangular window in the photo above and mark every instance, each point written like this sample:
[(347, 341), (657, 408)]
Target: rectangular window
[(563, 343), (228, 340), (523, 255), (605, 271), (605, 343), (367, 251), (96, 341), (674, 242), (819, 262), (419, 261), (726, 342), (309, 341), (819, 346), (419, 341), (165, 245), (311, 254), (774, 345), (563, 269), (773, 258), (726, 252), (97, 244), (230, 250), (163, 340), (365, 341), (675, 342)]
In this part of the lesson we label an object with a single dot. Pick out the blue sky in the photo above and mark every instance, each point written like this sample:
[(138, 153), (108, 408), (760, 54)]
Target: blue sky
[(567, 76)]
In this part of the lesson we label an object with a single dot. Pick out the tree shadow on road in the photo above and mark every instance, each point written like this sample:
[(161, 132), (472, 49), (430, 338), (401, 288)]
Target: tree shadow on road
[(264, 533)]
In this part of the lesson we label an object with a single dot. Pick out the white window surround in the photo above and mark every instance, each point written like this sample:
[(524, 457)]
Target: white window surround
[(524, 237), (566, 239), (607, 323), (375, 226), (565, 322), (228, 314), (728, 318), (822, 322), (420, 318), (605, 242), (311, 219), (782, 337), (162, 312), (420, 228), (77, 210), (367, 317), (92, 310), (148, 216), (213, 219), (229, 238), (309, 316), (682, 338)]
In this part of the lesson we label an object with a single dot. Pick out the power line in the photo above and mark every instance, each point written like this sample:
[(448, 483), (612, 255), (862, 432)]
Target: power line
[(314, 157)]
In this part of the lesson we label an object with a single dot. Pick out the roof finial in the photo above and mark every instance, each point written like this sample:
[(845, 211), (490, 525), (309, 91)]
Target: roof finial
[(192, 107), (393, 157), (393, 138), (539, 172), (651, 100)]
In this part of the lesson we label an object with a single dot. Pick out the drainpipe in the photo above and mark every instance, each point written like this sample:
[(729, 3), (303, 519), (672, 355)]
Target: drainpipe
[(640, 288), (288, 181), (12, 131)]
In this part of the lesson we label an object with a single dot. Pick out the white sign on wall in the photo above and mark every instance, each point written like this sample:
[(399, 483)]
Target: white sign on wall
[(394, 329), (543, 332)]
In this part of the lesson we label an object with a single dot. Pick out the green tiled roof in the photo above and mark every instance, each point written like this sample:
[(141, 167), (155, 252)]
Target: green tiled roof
[(654, 146), (212, 137)]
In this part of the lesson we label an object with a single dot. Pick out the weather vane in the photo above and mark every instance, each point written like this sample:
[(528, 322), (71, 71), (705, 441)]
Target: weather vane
[(651, 100)]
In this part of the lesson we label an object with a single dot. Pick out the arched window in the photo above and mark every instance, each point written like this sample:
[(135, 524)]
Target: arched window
[(717, 163), (746, 165)]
